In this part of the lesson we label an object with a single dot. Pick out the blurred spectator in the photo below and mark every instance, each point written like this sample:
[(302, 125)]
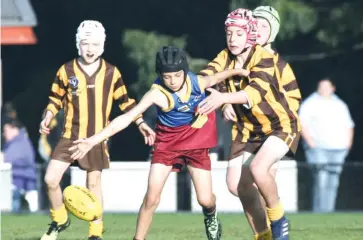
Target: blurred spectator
[(7, 111), (328, 129), (19, 152)]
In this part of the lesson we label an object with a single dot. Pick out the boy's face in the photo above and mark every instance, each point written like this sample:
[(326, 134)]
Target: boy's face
[(9, 132), (236, 39), (264, 31), (90, 50), (173, 80)]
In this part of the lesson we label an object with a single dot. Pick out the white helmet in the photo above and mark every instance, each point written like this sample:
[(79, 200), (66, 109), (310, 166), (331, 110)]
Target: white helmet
[(91, 29)]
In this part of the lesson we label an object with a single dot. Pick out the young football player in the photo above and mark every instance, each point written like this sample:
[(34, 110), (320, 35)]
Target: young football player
[(266, 126), (182, 136), (268, 26), (268, 22), (85, 88)]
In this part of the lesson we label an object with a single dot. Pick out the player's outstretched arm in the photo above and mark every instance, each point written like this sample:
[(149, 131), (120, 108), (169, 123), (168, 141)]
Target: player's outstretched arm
[(209, 81), (259, 86), (82, 146)]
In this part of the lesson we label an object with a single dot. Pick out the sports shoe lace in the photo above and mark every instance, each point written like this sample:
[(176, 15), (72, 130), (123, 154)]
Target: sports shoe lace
[(212, 223), (53, 227)]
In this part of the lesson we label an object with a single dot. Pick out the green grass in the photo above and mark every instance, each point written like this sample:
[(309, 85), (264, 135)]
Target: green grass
[(183, 226)]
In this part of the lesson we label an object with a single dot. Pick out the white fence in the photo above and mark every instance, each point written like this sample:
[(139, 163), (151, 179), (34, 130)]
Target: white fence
[(124, 186)]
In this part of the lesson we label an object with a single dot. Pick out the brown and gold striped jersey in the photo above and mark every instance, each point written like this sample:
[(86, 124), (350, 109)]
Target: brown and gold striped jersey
[(269, 109), (87, 100), (288, 81)]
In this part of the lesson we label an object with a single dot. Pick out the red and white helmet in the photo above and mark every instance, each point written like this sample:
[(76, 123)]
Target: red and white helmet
[(243, 18), (90, 29)]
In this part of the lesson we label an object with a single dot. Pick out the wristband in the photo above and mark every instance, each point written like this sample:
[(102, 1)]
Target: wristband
[(140, 123)]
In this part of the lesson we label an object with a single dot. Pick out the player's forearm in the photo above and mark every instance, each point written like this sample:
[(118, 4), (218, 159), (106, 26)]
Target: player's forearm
[(239, 97), (117, 125), (221, 76), (48, 114)]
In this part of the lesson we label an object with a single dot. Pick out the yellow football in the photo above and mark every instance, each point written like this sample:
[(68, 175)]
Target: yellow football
[(82, 203)]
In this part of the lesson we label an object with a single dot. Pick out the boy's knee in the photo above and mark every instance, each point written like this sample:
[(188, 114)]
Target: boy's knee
[(51, 181), (94, 180), (151, 201), (247, 188), (233, 187), (206, 201), (259, 172), (94, 183)]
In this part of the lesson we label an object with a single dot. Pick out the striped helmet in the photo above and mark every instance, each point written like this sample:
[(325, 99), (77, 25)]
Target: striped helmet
[(90, 29), (272, 17), (244, 19)]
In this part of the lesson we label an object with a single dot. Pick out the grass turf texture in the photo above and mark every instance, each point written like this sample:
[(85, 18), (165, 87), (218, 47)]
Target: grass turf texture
[(182, 226)]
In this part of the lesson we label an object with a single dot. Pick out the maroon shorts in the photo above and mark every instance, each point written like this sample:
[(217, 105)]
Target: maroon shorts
[(198, 158)]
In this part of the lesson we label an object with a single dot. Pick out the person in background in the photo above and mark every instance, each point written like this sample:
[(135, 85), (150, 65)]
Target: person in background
[(328, 129), (19, 152), (7, 111)]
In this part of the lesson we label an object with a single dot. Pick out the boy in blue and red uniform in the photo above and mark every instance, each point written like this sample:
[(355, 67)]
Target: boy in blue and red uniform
[(182, 136)]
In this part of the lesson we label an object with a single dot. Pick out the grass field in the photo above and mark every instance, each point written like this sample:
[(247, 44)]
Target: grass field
[(182, 226)]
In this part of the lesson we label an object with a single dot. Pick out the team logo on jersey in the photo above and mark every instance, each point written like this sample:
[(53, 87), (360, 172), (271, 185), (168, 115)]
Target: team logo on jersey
[(184, 108), (197, 98), (73, 82)]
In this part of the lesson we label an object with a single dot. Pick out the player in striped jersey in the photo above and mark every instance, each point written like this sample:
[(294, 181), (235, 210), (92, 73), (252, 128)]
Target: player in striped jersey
[(85, 88), (266, 126), (182, 136), (268, 22)]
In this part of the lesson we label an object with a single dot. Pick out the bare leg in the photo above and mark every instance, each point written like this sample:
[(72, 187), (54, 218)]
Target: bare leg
[(271, 151), (95, 186), (250, 199), (234, 174), (158, 175), (202, 180), (52, 179)]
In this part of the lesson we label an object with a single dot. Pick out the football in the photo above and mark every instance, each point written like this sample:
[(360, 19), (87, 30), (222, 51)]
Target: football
[(82, 203)]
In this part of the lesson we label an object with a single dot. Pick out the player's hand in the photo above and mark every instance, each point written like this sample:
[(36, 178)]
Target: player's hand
[(211, 103), (229, 114), (80, 148), (44, 124), (148, 133)]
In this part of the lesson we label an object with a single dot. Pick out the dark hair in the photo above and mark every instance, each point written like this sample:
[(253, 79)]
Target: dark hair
[(12, 121), (171, 59)]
